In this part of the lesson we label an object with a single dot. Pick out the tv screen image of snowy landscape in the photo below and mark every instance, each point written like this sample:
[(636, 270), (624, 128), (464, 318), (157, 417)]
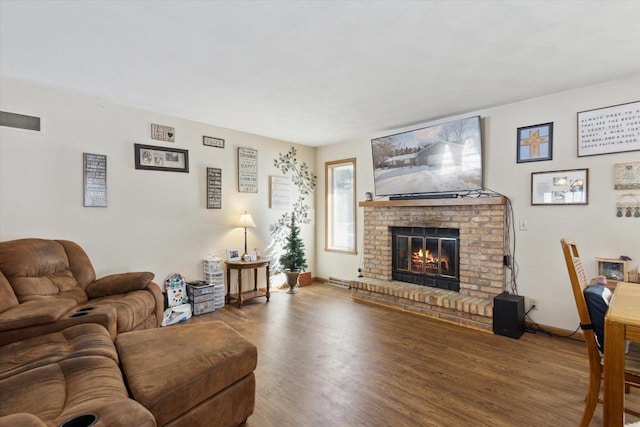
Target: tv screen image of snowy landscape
[(445, 158)]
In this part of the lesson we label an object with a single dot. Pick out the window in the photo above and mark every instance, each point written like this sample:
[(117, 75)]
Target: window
[(340, 206)]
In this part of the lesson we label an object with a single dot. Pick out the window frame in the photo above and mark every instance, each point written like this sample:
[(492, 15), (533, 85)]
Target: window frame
[(329, 191)]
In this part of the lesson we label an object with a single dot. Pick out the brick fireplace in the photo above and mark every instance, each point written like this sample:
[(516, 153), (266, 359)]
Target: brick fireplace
[(481, 224)]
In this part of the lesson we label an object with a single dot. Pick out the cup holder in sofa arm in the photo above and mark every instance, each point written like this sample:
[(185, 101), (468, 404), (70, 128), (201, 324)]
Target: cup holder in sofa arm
[(84, 420), (79, 314)]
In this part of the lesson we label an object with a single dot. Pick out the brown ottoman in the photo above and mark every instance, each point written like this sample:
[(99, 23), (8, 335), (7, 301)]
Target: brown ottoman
[(198, 374)]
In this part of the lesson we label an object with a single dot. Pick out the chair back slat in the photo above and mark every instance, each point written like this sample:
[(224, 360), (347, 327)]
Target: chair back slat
[(577, 277), (579, 282)]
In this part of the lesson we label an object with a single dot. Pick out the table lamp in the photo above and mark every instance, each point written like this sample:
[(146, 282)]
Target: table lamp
[(245, 221)]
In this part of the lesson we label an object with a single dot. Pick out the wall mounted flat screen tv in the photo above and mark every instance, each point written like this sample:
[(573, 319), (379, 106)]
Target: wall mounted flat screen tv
[(444, 158)]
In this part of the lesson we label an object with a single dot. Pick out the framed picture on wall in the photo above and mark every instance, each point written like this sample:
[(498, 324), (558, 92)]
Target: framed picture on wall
[(609, 130), (562, 187), (535, 143), (161, 159)]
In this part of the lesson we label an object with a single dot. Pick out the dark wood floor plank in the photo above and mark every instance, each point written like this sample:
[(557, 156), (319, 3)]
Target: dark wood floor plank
[(327, 360)]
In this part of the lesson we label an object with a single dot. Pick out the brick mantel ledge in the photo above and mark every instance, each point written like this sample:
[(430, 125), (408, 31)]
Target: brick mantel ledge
[(458, 201), (441, 304)]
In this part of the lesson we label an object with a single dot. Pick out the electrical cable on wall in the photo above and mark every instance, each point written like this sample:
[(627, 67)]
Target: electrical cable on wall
[(511, 264), (510, 282)]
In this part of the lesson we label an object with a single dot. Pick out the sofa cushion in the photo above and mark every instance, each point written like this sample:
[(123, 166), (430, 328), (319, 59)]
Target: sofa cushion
[(82, 385), (36, 267), (132, 308), (79, 263), (208, 358), (89, 339), (7, 296)]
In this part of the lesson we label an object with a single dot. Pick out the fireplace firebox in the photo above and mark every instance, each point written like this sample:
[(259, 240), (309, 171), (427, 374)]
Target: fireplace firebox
[(426, 256)]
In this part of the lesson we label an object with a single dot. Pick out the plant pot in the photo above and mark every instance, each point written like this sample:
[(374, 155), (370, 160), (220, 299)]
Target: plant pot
[(292, 281)]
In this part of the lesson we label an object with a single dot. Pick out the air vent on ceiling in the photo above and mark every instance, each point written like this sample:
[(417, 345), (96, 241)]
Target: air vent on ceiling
[(20, 121)]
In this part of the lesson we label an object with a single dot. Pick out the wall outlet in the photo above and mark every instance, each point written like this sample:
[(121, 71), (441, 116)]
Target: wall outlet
[(530, 303)]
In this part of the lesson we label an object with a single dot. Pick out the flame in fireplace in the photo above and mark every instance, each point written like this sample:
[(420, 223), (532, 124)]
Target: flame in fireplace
[(428, 261)]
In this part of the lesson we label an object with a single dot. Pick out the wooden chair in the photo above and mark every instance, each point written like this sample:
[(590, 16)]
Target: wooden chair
[(632, 366)]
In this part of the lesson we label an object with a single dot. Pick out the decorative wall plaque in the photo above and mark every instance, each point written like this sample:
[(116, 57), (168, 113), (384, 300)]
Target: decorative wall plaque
[(280, 192), (609, 130), (214, 188), (95, 180), (247, 170), (163, 133), (627, 176), (212, 142)]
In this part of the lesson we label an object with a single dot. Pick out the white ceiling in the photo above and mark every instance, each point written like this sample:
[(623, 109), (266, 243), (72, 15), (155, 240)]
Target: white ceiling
[(318, 72)]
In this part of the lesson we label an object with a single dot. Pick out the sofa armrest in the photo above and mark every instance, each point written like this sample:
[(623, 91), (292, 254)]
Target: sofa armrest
[(104, 315), (159, 297), (122, 283), (35, 313)]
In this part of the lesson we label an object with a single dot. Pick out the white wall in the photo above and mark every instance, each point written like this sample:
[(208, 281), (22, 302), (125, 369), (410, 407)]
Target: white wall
[(155, 221), (542, 272), (158, 221)]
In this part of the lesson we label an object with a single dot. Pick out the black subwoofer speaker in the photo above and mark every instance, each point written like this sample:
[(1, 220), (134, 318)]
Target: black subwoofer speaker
[(508, 315)]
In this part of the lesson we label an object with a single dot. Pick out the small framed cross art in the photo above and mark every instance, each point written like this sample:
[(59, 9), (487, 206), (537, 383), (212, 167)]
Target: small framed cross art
[(535, 143)]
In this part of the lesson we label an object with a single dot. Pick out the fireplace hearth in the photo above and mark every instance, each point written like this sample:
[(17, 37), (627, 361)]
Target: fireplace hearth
[(426, 256), (480, 269)]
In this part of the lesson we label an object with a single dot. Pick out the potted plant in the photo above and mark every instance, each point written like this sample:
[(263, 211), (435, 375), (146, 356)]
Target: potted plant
[(287, 225), (293, 260)]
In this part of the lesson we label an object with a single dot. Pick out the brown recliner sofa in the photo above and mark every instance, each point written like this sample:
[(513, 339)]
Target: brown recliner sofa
[(47, 285), (76, 351), (71, 375), (186, 375)]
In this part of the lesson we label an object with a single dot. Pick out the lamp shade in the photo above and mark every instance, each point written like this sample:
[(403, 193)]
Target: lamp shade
[(245, 221)]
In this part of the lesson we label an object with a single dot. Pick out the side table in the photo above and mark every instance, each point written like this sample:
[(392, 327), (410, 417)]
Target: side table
[(243, 296)]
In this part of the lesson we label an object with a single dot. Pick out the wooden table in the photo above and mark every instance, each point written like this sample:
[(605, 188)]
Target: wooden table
[(622, 322), (241, 296)]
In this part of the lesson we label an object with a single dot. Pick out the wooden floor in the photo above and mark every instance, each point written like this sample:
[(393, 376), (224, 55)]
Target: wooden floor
[(326, 360)]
